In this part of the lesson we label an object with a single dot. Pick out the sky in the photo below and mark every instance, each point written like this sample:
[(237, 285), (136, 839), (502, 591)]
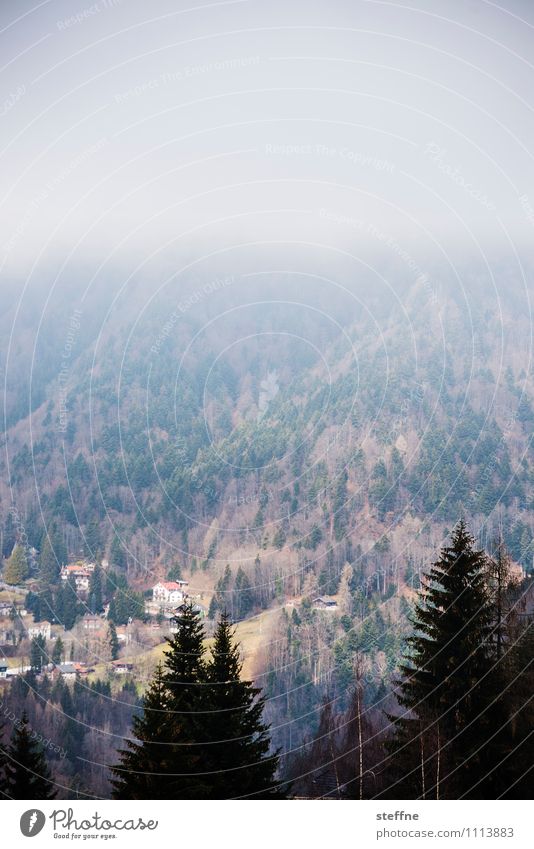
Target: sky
[(134, 132)]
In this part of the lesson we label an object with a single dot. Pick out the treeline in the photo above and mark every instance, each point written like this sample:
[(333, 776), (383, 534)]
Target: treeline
[(57, 738), (458, 722)]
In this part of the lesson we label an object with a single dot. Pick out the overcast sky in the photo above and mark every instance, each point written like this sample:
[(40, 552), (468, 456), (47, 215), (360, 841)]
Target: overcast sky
[(129, 127)]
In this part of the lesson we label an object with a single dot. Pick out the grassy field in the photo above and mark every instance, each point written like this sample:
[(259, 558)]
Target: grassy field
[(250, 634)]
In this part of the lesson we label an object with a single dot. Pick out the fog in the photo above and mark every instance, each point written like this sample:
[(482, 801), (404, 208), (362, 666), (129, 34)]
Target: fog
[(137, 133)]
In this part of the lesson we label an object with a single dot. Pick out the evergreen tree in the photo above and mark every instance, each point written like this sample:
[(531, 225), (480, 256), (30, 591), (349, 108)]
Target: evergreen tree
[(147, 766), (57, 651), (144, 766), (172, 747), (243, 595), (38, 653), (67, 608), (117, 554), (48, 564), (16, 570), (95, 591), (113, 641), (241, 763), (27, 773), (449, 681), (9, 537)]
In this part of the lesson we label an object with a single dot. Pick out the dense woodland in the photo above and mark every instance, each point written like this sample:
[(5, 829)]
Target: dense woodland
[(456, 723), (158, 445)]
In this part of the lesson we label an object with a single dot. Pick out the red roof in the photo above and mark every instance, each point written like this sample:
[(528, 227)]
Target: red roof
[(172, 585)]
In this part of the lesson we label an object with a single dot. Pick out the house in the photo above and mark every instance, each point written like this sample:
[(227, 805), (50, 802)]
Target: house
[(91, 622), (17, 670), (169, 592), (82, 669), (81, 572), (120, 667), (42, 629), (8, 637), (123, 634), (68, 671), (322, 603), (3, 671)]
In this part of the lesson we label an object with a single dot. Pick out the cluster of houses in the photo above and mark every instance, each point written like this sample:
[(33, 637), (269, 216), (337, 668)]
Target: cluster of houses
[(163, 605)]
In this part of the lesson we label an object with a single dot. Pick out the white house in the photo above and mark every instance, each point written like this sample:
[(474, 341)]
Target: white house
[(43, 629), (121, 667), (67, 671), (3, 671), (169, 592)]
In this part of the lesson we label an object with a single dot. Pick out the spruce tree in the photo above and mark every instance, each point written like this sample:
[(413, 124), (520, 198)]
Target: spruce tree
[(57, 651), (147, 765), (38, 653), (95, 591), (188, 720), (67, 603), (239, 754), (16, 570), (49, 566), (113, 641), (449, 680), (27, 773)]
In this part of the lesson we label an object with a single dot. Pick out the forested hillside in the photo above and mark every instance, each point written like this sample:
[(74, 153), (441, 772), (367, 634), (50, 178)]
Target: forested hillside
[(284, 444)]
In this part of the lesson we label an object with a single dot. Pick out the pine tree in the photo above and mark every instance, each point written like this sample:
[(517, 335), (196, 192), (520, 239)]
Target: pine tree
[(16, 570), (243, 595), (67, 603), (95, 591), (49, 566), (27, 773), (37, 653), (57, 651), (449, 680), (147, 766), (239, 755), (113, 641), (185, 678)]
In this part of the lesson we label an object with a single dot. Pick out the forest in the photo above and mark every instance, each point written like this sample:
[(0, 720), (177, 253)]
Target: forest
[(455, 723), (302, 506)]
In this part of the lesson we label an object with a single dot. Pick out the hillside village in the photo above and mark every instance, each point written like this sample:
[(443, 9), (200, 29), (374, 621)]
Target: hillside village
[(28, 641)]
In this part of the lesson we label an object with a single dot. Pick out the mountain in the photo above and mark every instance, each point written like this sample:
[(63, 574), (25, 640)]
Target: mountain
[(319, 438)]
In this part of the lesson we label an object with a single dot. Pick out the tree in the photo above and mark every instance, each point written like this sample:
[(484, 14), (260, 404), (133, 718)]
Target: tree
[(58, 651), (16, 570), (113, 641), (239, 754), (450, 681), (172, 747), (147, 764), (48, 564), (66, 607), (27, 773), (38, 653), (117, 555), (95, 591), (243, 595)]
